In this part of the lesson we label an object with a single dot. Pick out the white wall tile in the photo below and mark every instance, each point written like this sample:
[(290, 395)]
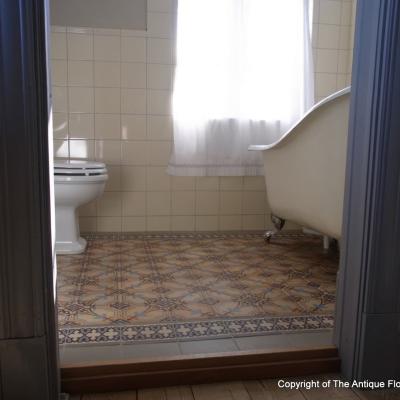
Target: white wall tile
[(330, 12), (183, 203), (133, 224), (133, 203), (107, 74), (133, 49), (58, 46), (160, 51), (59, 72), (108, 126), (60, 125), (158, 223), (159, 76), (60, 148), (346, 14), (254, 183), (231, 183), (183, 223), (133, 101), (81, 149), (107, 100), (107, 48), (230, 203), (59, 99), (328, 36), (230, 222), (133, 178), (207, 183), (158, 153), (88, 224), (253, 202), (88, 210), (108, 151), (133, 75), (183, 183), (253, 222), (80, 73), (80, 99), (113, 183), (160, 25), (109, 224), (343, 63), (157, 179), (325, 84), (344, 41), (159, 102), (207, 203), (158, 203), (81, 126), (134, 153), (80, 46), (206, 223), (327, 60), (341, 81), (109, 205), (159, 127), (133, 127)]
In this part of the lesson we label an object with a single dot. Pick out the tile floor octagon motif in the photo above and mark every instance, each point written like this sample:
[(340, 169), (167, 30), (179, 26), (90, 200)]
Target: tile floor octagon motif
[(161, 287)]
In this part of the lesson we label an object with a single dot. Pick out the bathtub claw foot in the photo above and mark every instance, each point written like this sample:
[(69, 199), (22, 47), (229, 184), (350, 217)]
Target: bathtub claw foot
[(268, 235), (278, 224)]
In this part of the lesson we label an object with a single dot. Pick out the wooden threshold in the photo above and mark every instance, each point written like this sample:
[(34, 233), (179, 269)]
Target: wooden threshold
[(196, 369)]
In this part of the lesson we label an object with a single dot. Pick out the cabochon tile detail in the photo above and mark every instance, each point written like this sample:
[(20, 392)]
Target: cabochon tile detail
[(160, 287)]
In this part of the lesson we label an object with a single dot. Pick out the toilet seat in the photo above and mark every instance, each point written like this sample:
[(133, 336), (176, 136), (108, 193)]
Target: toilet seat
[(79, 171), (79, 168)]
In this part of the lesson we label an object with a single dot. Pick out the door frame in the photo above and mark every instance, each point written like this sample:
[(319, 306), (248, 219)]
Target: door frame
[(368, 299), (369, 279), (28, 333)]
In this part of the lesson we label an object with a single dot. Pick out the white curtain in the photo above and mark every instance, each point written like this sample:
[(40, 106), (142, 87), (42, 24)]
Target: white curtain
[(244, 75)]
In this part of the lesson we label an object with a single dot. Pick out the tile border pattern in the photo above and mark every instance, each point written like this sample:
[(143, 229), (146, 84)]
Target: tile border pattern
[(188, 235), (194, 330)]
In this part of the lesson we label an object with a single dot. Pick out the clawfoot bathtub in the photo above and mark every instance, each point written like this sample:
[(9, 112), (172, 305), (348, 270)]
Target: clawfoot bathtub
[(305, 169)]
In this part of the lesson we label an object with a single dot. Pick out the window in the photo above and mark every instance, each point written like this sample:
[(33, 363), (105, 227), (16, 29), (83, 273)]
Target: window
[(244, 75)]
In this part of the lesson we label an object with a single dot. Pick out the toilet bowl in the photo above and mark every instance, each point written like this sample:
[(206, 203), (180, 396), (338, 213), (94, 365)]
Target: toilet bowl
[(75, 183)]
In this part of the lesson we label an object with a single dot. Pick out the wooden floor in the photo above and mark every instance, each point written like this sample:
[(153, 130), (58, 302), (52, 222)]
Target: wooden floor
[(244, 390)]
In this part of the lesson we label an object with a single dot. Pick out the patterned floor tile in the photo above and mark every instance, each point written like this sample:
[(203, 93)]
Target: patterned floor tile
[(160, 287)]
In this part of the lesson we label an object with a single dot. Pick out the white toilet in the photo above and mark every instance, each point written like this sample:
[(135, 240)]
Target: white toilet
[(75, 183)]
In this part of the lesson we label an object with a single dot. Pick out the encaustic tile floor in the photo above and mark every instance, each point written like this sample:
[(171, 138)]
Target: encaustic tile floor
[(148, 288)]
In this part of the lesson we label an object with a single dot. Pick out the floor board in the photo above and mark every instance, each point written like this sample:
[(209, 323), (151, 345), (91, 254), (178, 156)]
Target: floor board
[(274, 392), (244, 390)]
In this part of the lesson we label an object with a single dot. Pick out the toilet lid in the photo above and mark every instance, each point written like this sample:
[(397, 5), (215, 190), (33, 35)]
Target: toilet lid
[(79, 168)]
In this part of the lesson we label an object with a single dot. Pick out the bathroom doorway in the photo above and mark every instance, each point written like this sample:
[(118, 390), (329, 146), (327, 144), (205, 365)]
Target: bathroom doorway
[(39, 264), (176, 265)]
